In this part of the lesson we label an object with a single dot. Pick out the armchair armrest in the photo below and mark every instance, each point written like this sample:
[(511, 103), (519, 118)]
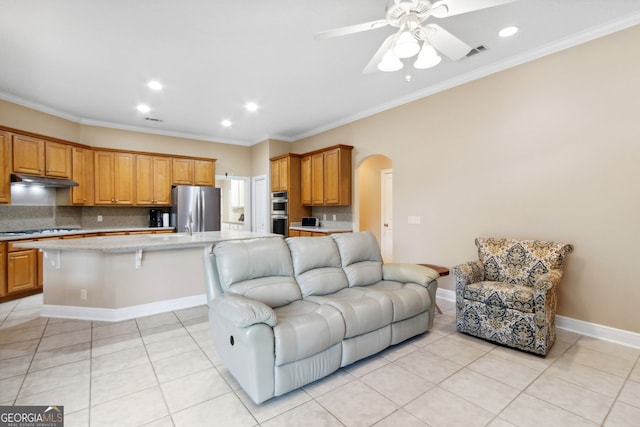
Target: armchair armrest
[(243, 312), (409, 273), (548, 281), (469, 272)]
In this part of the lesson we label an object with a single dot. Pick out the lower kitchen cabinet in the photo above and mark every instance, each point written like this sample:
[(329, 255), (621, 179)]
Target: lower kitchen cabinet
[(307, 233), (3, 269), (22, 273)]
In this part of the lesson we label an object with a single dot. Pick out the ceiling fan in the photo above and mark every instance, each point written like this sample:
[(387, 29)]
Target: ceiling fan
[(409, 17)]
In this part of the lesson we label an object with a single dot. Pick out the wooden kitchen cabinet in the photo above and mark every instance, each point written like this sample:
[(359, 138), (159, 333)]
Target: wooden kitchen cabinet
[(317, 179), (35, 156), (5, 170), (21, 268), (280, 167), (204, 172), (3, 269), (82, 161), (326, 177), (113, 178), (153, 180), (285, 176), (193, 172)]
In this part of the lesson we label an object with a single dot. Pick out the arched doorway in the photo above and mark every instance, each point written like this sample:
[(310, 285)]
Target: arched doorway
[(371, 212)]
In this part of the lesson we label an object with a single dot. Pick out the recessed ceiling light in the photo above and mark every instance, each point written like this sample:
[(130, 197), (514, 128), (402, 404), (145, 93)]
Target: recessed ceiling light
[(143, 108), (251, 106), (508, 32), (155, 85), (226, 123)]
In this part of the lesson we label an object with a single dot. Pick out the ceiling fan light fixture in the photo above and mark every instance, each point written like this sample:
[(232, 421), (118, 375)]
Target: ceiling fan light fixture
[(406, 46), (427, 58), (390, 62)]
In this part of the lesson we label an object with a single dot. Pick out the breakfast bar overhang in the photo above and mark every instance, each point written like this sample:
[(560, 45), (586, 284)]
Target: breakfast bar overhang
[(123, 277)]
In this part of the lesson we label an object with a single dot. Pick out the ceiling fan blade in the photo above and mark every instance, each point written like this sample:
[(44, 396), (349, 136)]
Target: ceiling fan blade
[(451, 46), (372, 66), (343, 31), (445, 8)]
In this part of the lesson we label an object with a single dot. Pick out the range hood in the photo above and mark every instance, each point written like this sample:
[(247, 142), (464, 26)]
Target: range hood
[(42, 181)]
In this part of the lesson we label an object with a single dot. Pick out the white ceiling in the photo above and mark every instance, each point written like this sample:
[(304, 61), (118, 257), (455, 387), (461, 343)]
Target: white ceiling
[(90, 61)]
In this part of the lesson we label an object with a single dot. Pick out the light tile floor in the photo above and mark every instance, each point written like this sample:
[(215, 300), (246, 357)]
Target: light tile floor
[(163, 371)]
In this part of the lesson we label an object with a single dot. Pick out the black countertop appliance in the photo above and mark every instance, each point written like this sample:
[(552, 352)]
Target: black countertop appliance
[(155, 218)]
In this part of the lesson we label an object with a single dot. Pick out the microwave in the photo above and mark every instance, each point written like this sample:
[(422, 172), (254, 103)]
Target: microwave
[(310, 221)]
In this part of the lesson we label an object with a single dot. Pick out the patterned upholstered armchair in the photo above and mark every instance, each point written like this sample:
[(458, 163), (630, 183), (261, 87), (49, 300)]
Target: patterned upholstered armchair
[(509, 295)]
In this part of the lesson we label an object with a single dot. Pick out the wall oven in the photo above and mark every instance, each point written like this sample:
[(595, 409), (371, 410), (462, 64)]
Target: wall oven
[(279, 212), (279, 203), (280, 225)]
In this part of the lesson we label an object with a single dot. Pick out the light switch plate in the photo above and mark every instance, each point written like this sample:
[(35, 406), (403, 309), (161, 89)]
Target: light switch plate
[(413, 219)]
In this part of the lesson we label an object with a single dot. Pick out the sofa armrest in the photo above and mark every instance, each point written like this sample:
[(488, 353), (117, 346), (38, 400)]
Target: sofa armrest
[(243, 312), (409, 273)]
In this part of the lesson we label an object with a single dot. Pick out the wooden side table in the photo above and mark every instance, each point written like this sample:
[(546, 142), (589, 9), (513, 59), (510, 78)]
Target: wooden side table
[(442, 271)]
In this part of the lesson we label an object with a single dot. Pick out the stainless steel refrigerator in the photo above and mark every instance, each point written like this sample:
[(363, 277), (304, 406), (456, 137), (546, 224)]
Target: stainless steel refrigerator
[(195, 207)]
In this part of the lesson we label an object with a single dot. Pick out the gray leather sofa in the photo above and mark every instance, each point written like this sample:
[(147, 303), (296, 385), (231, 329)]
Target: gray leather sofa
[(285, 313)]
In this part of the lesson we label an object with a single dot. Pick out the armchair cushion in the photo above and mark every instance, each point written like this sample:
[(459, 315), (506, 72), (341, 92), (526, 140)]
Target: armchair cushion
[(500, 294)]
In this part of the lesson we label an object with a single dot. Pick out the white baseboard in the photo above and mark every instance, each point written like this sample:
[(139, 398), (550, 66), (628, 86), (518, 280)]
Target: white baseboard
[(619, 336), (119, 314)]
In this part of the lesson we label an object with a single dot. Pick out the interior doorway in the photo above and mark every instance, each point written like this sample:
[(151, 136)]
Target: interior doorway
[(235, 203), (370, 207)]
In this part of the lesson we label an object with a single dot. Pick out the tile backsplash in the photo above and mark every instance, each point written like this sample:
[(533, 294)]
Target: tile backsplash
[(15, 218)]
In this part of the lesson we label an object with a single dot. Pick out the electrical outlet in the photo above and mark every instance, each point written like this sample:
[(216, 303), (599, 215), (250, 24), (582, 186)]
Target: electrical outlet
[(334, 217), (324, 217), (99, 218), (83, 294)]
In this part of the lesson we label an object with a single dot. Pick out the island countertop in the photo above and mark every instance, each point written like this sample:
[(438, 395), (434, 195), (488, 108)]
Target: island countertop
[(133, 243)]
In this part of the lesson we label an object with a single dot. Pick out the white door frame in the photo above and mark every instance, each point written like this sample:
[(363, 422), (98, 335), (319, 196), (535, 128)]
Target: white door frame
[(386, 225)]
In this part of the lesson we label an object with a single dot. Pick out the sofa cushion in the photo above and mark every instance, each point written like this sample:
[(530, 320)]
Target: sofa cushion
[(259, 269), (519, 261), (316, 265), (305, 329), (501, 295), (363, 309), (408, 299), (360, 255)]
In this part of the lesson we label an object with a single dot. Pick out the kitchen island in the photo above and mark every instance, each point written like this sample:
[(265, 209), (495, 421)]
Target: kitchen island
[(115, 278)]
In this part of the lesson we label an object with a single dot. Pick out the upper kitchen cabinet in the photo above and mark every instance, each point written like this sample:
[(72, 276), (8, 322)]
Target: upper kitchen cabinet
[(35, 156), (285, 176), (193, 171), (5, 182), (82, 159), (326, 177), (280, 172), (153, 180), (114, 178)]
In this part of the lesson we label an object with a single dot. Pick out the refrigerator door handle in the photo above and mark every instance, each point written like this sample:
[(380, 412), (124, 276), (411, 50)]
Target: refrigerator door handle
[(201, 211)]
